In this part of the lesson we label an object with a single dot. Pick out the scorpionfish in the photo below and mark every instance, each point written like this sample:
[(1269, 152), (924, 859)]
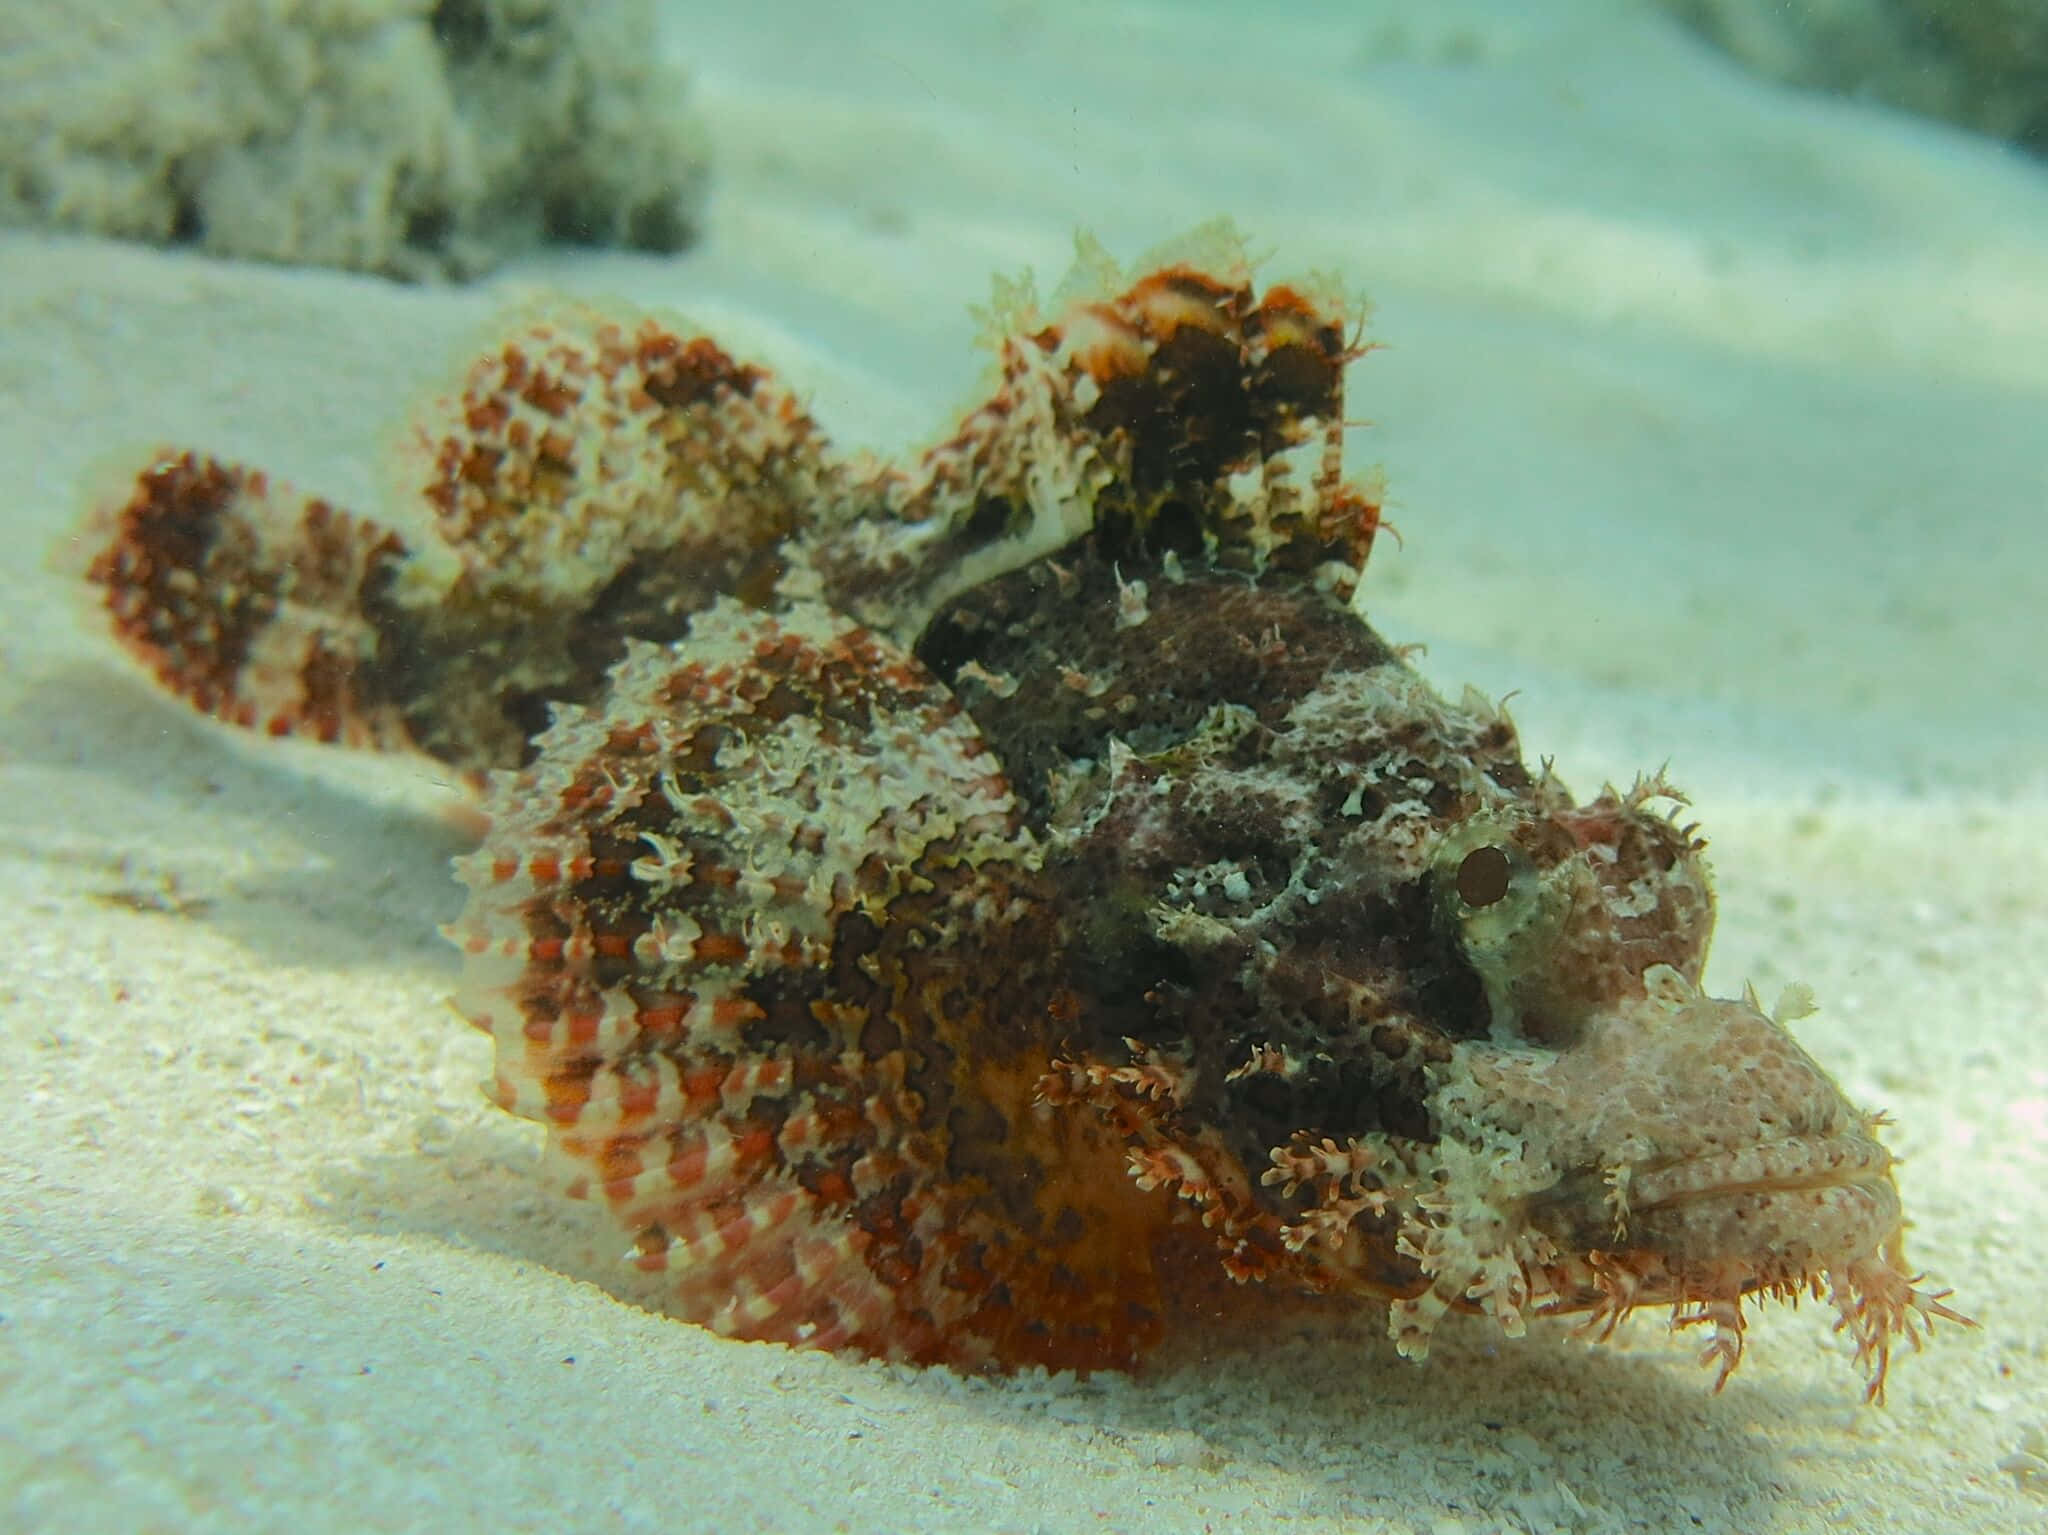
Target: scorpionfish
[(947, 907)]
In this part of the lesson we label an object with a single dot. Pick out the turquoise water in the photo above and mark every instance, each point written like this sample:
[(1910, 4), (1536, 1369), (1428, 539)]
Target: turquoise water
[(1710, 413)]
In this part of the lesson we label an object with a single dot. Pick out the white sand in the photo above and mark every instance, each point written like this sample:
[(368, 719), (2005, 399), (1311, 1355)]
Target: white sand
[(1716, 422)]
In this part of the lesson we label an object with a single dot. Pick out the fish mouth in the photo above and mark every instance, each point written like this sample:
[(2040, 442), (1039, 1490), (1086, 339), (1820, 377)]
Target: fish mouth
[(1793, 1165), (1807, 1215), (1769, 1218), (1778, 1213), (1765, 1205)]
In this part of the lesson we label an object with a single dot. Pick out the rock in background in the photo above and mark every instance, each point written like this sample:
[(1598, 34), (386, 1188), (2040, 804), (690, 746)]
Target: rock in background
[(1982, 64), (414, 138)]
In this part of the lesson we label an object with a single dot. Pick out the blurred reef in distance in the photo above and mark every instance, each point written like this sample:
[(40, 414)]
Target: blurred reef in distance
[(1980, 64), (411, 138)]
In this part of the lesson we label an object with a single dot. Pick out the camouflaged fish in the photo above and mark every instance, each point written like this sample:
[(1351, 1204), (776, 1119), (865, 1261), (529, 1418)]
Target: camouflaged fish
[(943, 908)]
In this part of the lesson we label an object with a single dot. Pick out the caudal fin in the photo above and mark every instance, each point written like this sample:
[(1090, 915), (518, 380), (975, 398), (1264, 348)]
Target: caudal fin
[(250, 601)]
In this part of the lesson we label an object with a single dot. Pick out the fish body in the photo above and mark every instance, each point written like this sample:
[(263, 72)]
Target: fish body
[(946, 908)]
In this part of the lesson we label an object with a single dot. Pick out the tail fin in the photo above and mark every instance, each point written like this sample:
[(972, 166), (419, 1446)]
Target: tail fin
[(593, 480), (250, 601)]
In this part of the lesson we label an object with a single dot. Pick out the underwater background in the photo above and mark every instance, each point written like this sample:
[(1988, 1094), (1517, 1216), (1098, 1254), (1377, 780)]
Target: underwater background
[(1711, 392)]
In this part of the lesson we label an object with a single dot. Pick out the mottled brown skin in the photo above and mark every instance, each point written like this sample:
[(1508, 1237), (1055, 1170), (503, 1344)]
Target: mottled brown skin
[(1329, 953), (942, 908)]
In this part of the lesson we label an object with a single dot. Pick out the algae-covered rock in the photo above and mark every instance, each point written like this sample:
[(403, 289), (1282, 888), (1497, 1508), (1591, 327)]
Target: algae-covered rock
[(406, 137)]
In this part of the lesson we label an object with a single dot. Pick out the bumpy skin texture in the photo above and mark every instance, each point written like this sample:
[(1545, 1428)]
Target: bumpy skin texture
[(955, 904)]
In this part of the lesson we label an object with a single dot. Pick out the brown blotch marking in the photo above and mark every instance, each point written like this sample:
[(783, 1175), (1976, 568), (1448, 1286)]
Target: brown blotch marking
[(782, 701), (478, 466), (788, 1000), (1301, 375), (487, 416), (568, 1090), (719, 949), (680, 374), (177, 595), (326, 679), (1185, 418), (619, 1162), (831, 1187), (548, 393)]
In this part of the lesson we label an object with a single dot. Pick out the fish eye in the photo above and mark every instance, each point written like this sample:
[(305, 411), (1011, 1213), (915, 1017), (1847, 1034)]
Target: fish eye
[(1483, 877)]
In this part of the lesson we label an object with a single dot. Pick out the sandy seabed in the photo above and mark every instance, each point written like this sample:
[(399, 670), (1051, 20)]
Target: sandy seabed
[(1716, 422)]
